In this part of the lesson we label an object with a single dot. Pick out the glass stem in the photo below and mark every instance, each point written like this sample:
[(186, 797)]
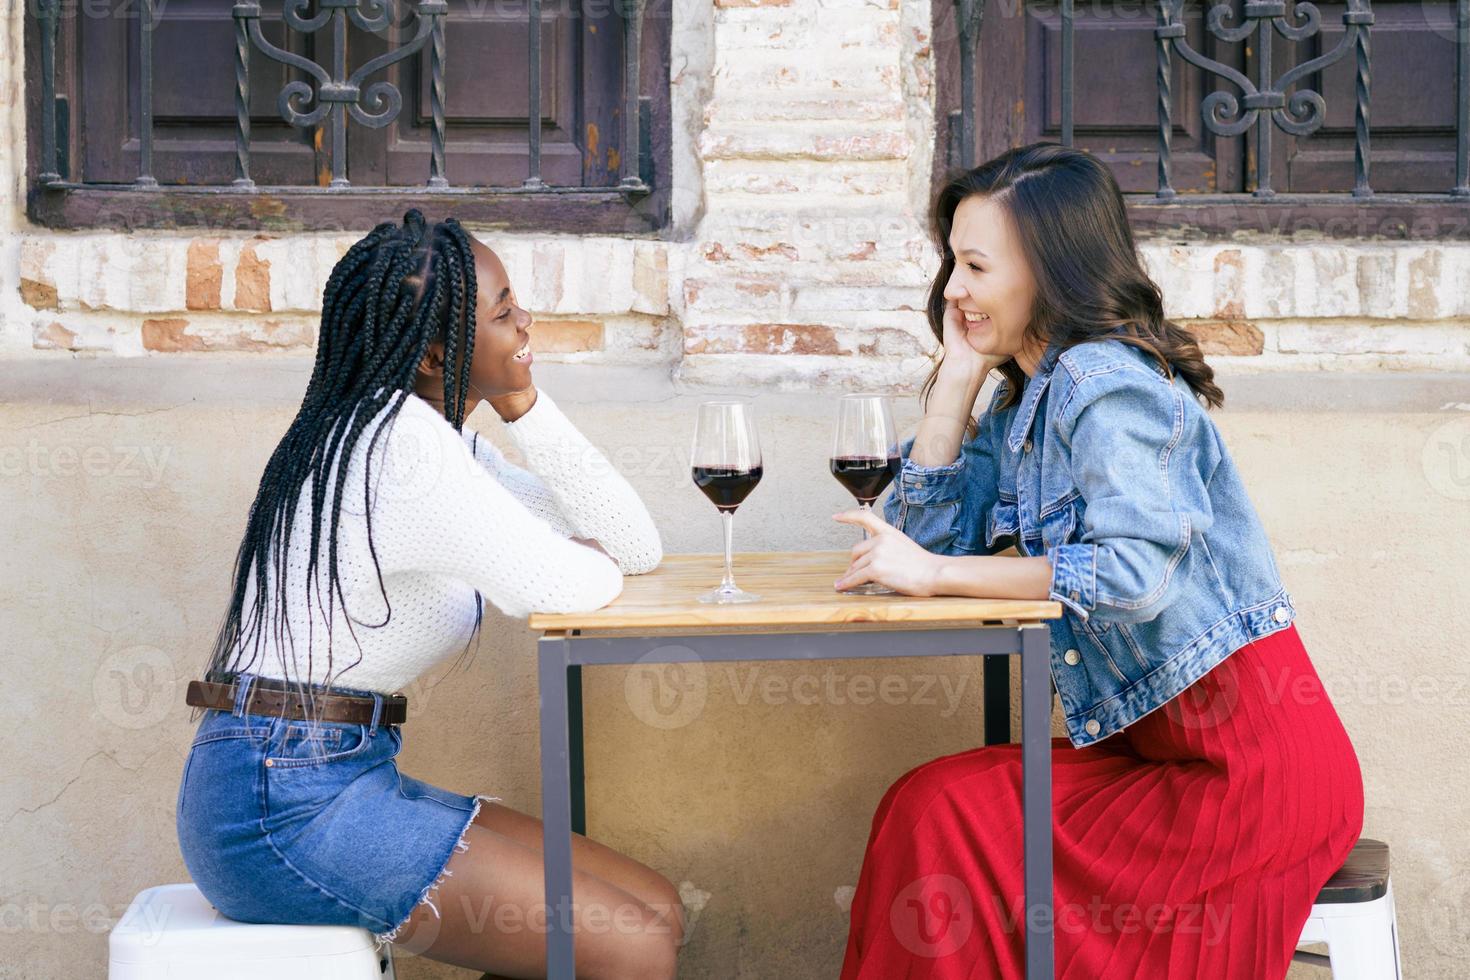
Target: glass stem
[(728, 517), (864, 505)]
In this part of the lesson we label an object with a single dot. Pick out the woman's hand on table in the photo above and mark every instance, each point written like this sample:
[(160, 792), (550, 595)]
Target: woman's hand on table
[(888, 557)]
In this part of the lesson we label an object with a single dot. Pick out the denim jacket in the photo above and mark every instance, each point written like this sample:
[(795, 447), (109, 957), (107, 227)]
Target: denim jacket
[(1122, 481)]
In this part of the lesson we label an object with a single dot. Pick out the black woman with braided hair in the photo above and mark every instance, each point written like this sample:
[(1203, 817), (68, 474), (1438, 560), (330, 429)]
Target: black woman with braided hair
[(382, 524)]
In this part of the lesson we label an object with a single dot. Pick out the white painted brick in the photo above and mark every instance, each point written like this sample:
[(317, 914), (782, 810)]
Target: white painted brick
[(515, 255), (852, 71), (858, 5), (844, 297), (116, 272), (598, 280), (758, 29), (835, 226), (1408, 280), (812, 142), (803, 178), (1185, 276), (802, 373), (102, 333), (300, 268), (733, 107), (850, 327), (651, 281), (1348, 337), (768, 294)]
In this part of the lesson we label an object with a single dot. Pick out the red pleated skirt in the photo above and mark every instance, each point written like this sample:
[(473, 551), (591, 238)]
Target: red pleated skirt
[(1191, 844)]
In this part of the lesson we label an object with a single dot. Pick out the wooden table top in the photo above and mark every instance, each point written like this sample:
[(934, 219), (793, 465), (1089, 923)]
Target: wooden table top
[(796, 592)]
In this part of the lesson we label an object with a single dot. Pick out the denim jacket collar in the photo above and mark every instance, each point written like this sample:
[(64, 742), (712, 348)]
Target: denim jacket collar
[(1031, 397)]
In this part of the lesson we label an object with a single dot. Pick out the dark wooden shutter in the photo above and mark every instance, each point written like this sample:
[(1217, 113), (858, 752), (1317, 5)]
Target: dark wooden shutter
[(193, 98), (1412, 104), (1018, 96), (486, 103), (487, 100), (1115, 108)]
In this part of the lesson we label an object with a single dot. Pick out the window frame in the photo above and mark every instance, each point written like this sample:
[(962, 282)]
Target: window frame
[(71, 205), (1428, 216)]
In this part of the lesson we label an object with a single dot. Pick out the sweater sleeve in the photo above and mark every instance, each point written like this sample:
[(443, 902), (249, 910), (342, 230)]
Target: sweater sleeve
[(524, 485), (436, 510), (595, 499)]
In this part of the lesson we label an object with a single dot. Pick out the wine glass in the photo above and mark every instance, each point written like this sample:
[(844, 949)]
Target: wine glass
[(726, 461), (865, 459)]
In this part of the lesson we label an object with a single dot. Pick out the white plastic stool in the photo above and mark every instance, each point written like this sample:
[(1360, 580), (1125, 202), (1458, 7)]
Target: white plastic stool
[(1354, 916), (171, 932)]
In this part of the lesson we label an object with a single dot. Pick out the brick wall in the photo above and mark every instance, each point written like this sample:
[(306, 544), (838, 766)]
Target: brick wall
[(797, 255)]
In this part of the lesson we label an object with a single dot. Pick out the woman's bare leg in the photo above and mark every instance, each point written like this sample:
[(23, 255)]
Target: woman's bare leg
[(617, 869), (492, 917)]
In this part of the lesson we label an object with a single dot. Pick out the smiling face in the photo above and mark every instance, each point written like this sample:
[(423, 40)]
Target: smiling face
[(992, 282), (501, 363)]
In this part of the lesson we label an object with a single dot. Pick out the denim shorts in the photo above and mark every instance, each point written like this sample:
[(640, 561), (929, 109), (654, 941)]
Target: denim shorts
[(283, 821)]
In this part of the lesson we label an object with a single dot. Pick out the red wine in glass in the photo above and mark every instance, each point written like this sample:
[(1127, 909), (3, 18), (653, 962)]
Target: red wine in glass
[(726, 464), (725, 486), (865, 459), (866, 477)]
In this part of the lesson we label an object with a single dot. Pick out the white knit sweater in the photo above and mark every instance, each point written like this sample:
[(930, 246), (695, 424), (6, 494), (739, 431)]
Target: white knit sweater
[(451, 515)]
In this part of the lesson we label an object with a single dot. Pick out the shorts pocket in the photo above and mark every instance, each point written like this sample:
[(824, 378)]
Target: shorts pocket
[(307, 767), (218, 726), (299, 744), (220, 786)]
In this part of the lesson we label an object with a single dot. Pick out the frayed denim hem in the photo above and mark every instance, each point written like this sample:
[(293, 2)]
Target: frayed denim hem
[(426, 897)]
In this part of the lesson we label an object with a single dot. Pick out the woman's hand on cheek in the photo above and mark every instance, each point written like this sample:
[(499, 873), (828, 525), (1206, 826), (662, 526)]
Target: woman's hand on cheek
[(888, 557)]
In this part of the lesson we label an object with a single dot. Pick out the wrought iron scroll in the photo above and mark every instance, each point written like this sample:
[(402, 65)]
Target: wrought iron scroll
[(1265, 102), (337, 94)]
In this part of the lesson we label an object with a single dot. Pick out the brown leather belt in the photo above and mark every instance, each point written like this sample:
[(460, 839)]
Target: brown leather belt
[(274, 697)]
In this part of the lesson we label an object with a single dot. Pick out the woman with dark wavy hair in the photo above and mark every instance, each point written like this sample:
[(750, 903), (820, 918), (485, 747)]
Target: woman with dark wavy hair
[(381, 527), (1206, 788)]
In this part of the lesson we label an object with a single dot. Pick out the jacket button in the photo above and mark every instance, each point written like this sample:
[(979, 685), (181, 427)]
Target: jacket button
[(1092, 726), (1072, 657), (918, 483), (1281, 615), (1027, 446)]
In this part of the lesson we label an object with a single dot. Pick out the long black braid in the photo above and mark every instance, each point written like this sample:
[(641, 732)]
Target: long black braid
[(395, 291)]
